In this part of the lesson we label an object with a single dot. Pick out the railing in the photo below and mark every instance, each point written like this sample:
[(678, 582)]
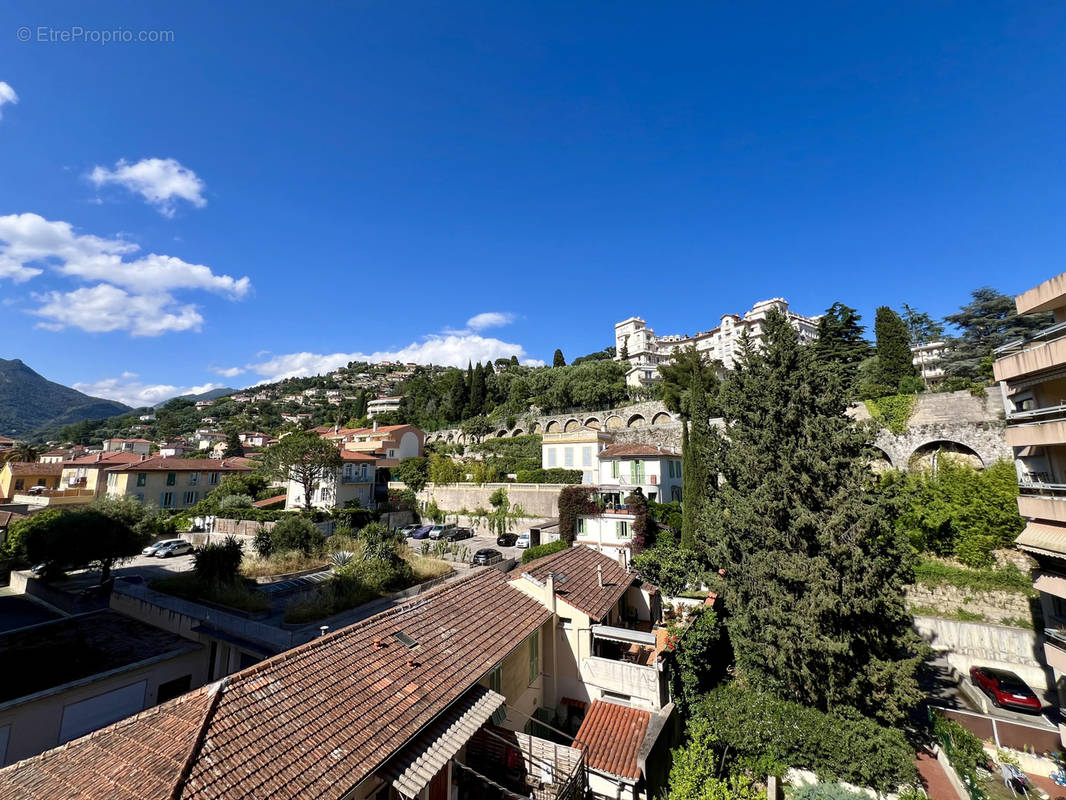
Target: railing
[(623, 678), (1042, 488), (1056, 637), (1050, 333), (1038, 414)]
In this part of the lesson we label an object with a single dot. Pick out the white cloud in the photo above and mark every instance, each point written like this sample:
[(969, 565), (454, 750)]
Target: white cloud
[(449, 349), (7, 95), (104, 308), (227, 372), (490, 319), (137, 295), (137, 393), (160, 181)]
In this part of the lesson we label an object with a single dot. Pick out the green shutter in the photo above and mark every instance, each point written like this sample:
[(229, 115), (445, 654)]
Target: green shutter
[(534, 656)]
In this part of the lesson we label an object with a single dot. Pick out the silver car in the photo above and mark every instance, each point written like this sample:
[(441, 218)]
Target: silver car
[(178, 547), (437, 531), (153, 549)]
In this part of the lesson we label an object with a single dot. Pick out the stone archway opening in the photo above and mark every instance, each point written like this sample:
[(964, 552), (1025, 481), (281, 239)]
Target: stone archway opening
[(932, 454), (636, 421), (571, 425), (553, 427), (537, 428), (518, 432), (592, 422), (615, 423), (662, 418), (880, 462), (501, 433)]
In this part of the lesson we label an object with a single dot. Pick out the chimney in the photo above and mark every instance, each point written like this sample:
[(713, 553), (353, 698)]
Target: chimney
[(323, 630), (599, 575), (549, 591), (375, 425)]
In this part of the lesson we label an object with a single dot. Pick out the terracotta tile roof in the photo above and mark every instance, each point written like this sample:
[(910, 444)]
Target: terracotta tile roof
[(580, 583), (107, 459), (612, 736), (269, 501), (134, 441), (8, 517), (139, 757), (34, 468), (159, 463), (311, 722), (637, 451), (351, 455)]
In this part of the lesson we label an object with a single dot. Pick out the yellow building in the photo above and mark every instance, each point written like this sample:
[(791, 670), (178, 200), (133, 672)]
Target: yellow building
[(90, 472), (20, 476), (170, 482)]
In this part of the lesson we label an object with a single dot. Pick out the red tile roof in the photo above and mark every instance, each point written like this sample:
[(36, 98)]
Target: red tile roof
[(311, 722), (269, 501), (135, 441), (637, 451), (578, 582), (106, 459), (612, 736), (34, 468), (351, 455), (159, 463)]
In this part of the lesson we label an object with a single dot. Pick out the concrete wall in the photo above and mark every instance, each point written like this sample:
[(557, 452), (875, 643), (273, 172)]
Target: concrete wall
[(536, 499), (968, 643)]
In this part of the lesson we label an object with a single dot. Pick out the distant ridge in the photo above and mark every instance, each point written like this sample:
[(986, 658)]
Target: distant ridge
[(29, 401), (213, 394)]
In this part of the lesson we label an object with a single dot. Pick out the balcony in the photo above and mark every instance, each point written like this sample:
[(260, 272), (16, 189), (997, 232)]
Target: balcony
[(40, 497), (1039, 433), (1055, 648), (525, 765), (1036, 415), (1043, 350)]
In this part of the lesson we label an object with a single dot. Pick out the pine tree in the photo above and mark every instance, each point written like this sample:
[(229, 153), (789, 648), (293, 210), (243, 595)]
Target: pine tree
[(514, 361), (814, 568), (234, 446), (558, 360), (893, 348), (624, 355), (921, 328), (989, 320), (840, 339)]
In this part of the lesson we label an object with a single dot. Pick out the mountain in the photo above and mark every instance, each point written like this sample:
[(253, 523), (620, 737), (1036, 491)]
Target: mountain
[(213, 394), (29, 401)]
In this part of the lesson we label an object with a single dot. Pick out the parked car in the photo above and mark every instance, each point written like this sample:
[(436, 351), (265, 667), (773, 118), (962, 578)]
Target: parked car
[(153, 549), (422, 533), (487, 557), (407, 530), (437, 530), (1004, 688), (522, 542), (507, 539), (176, 548), (455, 534)]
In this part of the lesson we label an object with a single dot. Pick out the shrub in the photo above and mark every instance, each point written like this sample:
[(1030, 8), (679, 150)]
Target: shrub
[(1008, 578), (573, 501), (754, 729), (218, 563), (553, 475), (965, 751), (892, 412), (262, 543), (827, 791), (342, 558), (542, 550), (235, 501), (297, 533)]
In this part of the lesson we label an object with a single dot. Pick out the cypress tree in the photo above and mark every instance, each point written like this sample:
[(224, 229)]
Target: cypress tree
[(893, 348), (814, 568), (514, 361), (840, 339), (558, 360), (478, 391), (234, 446)]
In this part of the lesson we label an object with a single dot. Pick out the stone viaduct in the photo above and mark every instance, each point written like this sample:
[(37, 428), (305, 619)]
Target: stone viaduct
[(957, 422)]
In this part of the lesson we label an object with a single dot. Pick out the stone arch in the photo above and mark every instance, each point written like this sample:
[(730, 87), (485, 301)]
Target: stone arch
[(662, 418), (928, 454), (592, 422), (553, 427), (614, 422), (880, 461), (571, 425), (501, 433), (636, 421), (518, 432), (450, 438), (537, 428)]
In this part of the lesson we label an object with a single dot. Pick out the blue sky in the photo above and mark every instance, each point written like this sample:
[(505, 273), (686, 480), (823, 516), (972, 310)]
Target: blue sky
[(284, 186)]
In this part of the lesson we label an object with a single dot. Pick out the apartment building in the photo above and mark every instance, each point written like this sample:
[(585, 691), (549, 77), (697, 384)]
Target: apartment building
[(1032, 376), (170, 482), (141, 447), (578, 449), (638, 344), (22, 476), (383, 405), (354, 481)]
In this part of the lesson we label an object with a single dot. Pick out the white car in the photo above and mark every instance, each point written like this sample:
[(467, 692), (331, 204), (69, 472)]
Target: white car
[(153, 549), (523, 541)]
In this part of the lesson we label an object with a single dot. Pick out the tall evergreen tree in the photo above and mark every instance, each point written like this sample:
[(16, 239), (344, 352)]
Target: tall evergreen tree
[(558, 360), (894, 357), (234, 446), (921, 327), (478, 391), (814, 569), (989, 320), (840, 339), (514, 361)]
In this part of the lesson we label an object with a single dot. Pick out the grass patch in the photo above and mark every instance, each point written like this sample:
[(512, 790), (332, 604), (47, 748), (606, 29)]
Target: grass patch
[(892, 412), (426, 569), (932, 573), (332, 597), (279, 564), (237, 595)]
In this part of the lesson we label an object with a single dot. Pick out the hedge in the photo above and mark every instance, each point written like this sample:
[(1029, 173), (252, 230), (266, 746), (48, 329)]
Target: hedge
[(542, 550), (553, 475)]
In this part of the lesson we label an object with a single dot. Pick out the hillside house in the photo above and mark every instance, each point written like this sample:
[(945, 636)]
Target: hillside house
[(170, 482)]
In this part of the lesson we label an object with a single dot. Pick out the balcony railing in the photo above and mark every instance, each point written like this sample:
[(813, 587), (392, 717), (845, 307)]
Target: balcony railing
[(1056, 331), (1038, 414), (1042, 487)]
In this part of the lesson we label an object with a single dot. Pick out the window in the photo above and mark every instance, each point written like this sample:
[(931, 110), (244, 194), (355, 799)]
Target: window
[(586, 456), (20, 483), (194, 478), (142, 478), (191, 498), (581, 525), (621, 530), (212, 478), (496, 680), (42, 481), (167, 500), (534, 656), (568, 456), (551, 457), (614, 469), (171, 689), (172, 478), (636, 473)]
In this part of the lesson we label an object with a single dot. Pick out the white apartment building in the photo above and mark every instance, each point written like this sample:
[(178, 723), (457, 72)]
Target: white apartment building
[(353, 481), (578, 449), (928, 359), (645, 351), (383, 405), (656, 471)]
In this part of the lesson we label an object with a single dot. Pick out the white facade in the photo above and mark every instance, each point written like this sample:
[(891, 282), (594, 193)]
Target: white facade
[(382, 405), (354, 481), (611, 533), (575, 450), (657, 476), (928, 359), (645, 351)]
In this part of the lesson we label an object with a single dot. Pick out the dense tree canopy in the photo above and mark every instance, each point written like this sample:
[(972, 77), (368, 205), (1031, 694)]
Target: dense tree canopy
[(989, 320), (894, 359), (305, 458)]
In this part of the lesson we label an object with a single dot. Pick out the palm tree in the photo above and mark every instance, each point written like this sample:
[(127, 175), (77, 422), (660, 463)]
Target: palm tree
[(22, 452)]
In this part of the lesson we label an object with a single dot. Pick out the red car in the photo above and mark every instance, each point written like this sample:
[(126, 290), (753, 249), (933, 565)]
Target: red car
[(1005, 689)]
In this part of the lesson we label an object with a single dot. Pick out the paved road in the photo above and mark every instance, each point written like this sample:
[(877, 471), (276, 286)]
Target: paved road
[(146, 567), (943, 689), (479, 542)]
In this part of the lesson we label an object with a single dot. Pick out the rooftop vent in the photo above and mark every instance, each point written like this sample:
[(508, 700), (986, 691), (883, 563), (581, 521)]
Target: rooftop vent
[(405, 640)]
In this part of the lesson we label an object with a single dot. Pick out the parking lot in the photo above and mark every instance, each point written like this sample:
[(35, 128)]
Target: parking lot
[(480, 541)]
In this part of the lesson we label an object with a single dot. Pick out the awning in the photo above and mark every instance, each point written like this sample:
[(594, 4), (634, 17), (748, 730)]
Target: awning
[(415, 765), (623, 635), (1044, 539)]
